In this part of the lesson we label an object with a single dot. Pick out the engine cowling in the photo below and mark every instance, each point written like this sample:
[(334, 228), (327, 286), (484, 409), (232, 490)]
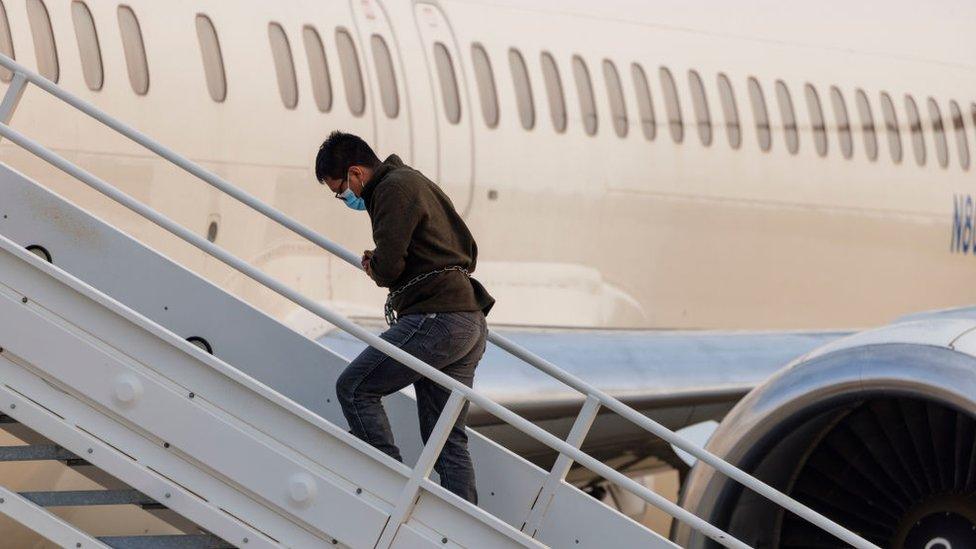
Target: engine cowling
[(876, 431)]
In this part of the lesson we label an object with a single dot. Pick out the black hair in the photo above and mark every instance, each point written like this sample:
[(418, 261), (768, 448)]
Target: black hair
[(339, 152)]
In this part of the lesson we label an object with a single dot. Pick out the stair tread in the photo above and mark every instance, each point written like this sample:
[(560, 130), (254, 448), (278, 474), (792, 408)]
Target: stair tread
[(165, 542), (69, 498), (35, 452)]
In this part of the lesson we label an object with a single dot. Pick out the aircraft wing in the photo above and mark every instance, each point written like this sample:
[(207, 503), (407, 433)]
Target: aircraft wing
[(678, 378)]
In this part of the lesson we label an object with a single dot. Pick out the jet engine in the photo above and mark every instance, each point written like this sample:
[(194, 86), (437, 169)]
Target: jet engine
[(876, 431)]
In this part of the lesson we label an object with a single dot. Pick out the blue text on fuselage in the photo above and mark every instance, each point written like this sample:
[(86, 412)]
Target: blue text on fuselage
[(962, 225)]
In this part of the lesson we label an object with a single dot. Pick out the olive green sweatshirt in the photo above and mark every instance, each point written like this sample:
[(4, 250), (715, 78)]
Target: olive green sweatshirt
[(417, 230)]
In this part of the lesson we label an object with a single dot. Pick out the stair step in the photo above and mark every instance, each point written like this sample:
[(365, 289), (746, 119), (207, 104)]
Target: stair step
[(71, 498), (35, 452), (165, 542)]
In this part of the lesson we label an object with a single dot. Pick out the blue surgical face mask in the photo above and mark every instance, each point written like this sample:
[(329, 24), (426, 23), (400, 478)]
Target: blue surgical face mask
[(353, 201)]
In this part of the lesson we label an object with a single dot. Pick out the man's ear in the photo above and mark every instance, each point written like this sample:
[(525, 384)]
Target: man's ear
[(360, 173)]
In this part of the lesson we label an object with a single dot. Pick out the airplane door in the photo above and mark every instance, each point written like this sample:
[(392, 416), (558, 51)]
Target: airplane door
[(455, 145), (381, 53)]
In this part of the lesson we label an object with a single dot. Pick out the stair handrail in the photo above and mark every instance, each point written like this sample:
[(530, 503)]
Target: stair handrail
[(23, 76)]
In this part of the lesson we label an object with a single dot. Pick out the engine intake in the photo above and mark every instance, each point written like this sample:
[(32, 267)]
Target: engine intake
[(879, 437)]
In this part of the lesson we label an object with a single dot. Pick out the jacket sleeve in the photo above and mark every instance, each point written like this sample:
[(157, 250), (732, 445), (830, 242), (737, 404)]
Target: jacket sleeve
[(395, 216)]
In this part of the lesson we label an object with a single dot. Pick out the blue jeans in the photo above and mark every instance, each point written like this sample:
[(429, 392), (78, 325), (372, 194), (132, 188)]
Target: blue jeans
[(451, 342)]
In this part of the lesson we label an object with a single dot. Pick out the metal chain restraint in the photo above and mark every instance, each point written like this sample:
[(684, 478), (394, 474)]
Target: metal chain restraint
[(391, 316)]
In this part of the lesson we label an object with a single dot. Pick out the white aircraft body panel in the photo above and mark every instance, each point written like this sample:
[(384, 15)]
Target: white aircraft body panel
[(574, 230)]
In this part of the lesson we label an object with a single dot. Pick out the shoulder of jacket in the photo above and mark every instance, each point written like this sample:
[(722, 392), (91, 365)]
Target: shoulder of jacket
[(398, 182)]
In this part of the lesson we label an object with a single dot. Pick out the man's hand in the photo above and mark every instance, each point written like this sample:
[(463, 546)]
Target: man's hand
[(365, 262)]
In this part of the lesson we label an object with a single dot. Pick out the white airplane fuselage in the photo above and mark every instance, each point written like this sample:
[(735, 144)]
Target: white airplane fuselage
[(590, 231)]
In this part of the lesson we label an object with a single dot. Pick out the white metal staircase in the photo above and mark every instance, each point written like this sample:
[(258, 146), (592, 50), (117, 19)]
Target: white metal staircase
[(243, 446)]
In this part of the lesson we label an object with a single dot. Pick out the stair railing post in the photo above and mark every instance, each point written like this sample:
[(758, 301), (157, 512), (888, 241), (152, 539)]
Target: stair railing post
[(584, 420), (425, 463), (12, 98)]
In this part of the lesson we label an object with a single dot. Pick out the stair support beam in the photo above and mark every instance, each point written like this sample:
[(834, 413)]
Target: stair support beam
[(59, 423), (50, 527)]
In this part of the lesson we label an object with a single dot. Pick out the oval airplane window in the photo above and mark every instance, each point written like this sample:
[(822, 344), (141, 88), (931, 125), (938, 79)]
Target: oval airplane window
[(788, 116), (88, 47), (523, 88), (700, 103), (867, 125), (891, 127), (758, 102), (730, 110), (284, 65), (817, 124), (554, 92), (318, 69), (915, 126), (938, 133), (615, 94), (44, 47), (213, 60), (584, 89), (352, 76), (645, 106), (843, 122), (448, 81), (672, 105), (959, 127), (134, 49), (385, 73), (486, 85)]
